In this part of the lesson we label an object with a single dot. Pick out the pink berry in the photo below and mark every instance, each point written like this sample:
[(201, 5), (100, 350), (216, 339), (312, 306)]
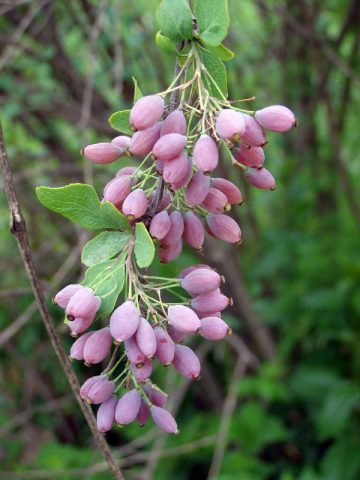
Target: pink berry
[(118, 190), (276, 118), (254, 133), (210, 302), (102, 152), (135, 204), (250, 157), (77, 348), (98, 346), (201, 281), (213, 328), (156, 396), (146, 111), (83, 304), (160, 225), (100, 391), (160, 164), (183, 319), (145, 338), (176, 229), (175, 122), (142, 142), (224, 228), (176, 169), (128, 407), (206, 154), (185, 178), (190, 269), (215, 201), (124, 321), (62, 298), (197, 189), (79, 325), (84, 390), (105, 416), (260, 178), (133, 352), (177, 336), (186, 362), (126, 171), (231, 191), (143, 415), (193, 230), (122, 141), (163, 419), (164, 346), (142, 372), (230, 125), (169, 146), (168, 253)]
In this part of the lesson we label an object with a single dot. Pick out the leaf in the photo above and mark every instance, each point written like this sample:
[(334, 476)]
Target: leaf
[(107, 281), (104, 246), (222, 52), (79, 203), (165, 44), (144, 246), (120, 121), (175, 19), (216, 81), (212, 20), (137, 91)]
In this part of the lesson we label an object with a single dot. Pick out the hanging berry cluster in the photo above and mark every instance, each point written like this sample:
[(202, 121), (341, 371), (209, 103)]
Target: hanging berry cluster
[(170, 197)]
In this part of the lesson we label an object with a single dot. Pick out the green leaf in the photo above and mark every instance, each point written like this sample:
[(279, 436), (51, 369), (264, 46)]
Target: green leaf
[(165, 44), (79, 203), (216, 80), (104, 246), (212, 19), (222, 52), (137, 91), (144, 246), (107, 281), (175, 19), (120, 121)]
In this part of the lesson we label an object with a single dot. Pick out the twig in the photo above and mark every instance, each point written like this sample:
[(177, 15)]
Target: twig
[(228, 410), (26, 316), (18, 228)]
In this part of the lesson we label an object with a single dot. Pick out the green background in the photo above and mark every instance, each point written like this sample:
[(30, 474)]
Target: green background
[(295, 280)]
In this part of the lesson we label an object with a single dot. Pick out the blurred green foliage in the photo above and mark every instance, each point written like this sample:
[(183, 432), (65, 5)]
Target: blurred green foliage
[(297, 417)]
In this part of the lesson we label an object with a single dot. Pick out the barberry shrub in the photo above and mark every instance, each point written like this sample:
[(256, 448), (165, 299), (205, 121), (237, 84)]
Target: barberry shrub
[(178, 137)]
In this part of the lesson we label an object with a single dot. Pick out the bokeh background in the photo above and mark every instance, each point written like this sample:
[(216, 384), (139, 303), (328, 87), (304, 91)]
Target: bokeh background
[(293, 413)]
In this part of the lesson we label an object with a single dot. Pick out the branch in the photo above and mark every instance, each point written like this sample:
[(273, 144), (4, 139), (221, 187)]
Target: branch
[(18, 228)]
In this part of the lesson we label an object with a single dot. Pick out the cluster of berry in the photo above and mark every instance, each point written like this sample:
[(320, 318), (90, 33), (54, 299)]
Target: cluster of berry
[(142, 343), (187, 177), (188, 203)]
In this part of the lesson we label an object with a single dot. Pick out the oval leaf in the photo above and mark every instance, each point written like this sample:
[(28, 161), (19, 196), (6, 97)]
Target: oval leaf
[(107, 281), (165, 44), (175, 19), (144, 246), (216, 80), (120, 121), (212, 20), (137, 91), (79, 203), (104, 246)]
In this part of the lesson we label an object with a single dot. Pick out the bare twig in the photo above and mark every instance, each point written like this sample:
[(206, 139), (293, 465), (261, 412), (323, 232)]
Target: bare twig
[(228, 410), (18, 228)]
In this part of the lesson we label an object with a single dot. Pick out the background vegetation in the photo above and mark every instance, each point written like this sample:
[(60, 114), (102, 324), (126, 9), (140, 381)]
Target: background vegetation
[(294, 413)]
